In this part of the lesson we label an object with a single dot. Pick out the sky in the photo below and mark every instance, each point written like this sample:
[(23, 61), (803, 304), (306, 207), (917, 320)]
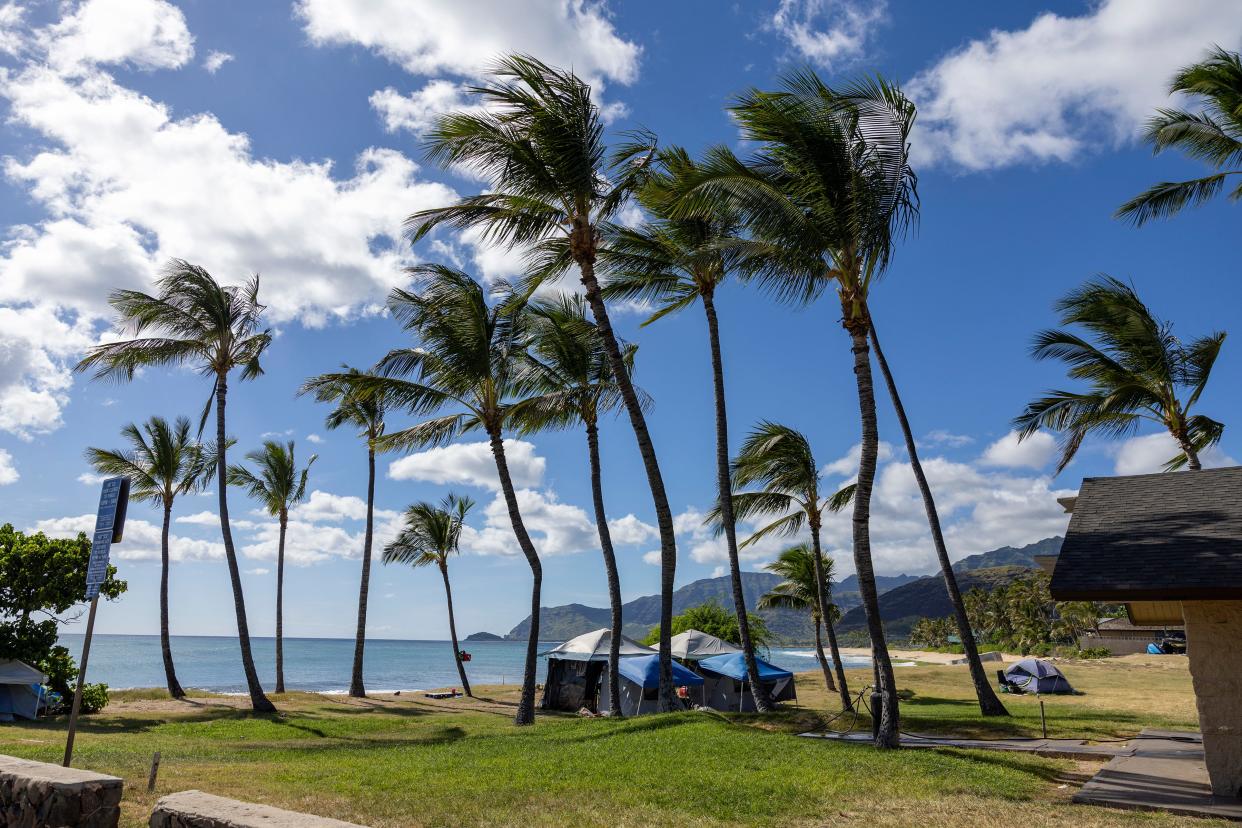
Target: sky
[(283, 138)]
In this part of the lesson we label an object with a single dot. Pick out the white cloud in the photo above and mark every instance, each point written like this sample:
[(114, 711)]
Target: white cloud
[(417, 111), (652, 557), (141, 542), (630, 531), (555, 528), (720, 571), (847, 465), (1034, 452), (204, 518), (471, 464), (12, 32), (8, 469), (91, 479), (314, 438), (942, 437), (215, 60), (828, 32), (148, 34), (325, 507), (258, 570), (1148, 454), (35, 377), (1064, 84)]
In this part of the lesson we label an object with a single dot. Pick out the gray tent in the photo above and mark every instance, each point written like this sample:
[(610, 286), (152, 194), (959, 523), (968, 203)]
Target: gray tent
[(575, 669), (21, 691), (640, 685), (1033, 675), (696, 645), (728, 684)]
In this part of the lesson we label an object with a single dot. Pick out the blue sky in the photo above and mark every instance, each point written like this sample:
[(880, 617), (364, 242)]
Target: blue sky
[(283, 138)]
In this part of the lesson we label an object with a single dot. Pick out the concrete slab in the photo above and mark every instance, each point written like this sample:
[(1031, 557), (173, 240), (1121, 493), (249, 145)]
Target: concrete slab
[(1052, 748)]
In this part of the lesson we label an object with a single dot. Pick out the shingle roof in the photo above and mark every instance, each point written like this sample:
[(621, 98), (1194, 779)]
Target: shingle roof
[(1173, 536)]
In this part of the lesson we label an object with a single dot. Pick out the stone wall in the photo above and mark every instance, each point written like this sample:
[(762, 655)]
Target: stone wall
[(39, 795), (195, 809), (1214, 644)]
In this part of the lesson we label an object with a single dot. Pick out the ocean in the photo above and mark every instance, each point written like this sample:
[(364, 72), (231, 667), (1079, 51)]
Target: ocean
[(323, 665)]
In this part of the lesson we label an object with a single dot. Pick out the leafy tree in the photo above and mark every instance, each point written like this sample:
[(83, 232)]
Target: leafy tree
[(430, 535), (538, 141), (364, 412), (161, 462), (1022, 616), (800, 592), (714, 619), (278, 485), (932, 632), (1136, 371), (1213, 135), (198, 322)]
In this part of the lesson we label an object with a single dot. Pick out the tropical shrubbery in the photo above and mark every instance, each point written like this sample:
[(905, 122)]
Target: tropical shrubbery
[(714, 619)]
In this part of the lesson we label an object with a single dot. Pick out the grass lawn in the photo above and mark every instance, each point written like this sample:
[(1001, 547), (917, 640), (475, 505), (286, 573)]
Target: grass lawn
[(409, 761)]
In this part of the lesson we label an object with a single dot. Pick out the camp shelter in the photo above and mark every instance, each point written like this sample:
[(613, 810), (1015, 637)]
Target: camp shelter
[(576, 667), (640, 686), (727, 685), (21, 691), (1033, 675), (696, 645)]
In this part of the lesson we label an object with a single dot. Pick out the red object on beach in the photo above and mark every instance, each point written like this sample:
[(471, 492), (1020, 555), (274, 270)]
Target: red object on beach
[(465, 656)]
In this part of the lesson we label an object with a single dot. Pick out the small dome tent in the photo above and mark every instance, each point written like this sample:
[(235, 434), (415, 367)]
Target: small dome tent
[(640, 685), (576, 667), (21, 691), (1033, 675), (727, 685)]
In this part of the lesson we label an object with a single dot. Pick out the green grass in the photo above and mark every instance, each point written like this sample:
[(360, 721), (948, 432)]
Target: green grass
[(410, 761)]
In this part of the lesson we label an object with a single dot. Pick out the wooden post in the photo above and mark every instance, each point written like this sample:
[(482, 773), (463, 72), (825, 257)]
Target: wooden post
[(77, 694), (1043, 719), (155, 769)]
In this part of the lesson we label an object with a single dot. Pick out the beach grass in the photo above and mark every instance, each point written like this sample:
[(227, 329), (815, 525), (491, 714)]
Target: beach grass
[(410, 761)]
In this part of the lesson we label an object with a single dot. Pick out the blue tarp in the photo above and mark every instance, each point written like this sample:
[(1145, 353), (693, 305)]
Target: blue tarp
[(733, 665), (645, 672)]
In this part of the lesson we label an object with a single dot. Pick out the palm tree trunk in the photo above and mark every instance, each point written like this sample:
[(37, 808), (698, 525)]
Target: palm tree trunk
[(280, 604), (1192, 456), (888, 735), (826, 614), (664, 515), (829, 684), (526, 705), (448, 597), (989, 704), (170, 674), (610, 567), (258, 701), (724, 487), (356, 688)]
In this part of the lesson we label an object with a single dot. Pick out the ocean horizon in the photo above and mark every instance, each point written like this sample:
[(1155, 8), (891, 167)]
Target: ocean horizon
[(323, 665)]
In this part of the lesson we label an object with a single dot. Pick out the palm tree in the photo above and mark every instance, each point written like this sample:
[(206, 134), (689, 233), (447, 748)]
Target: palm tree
[(430, 535), (537, 140), (279, 486), (472, 358), (579, 387), (366, 413), (196, 321), (989, 703), (1136, 369), (1213, 135), (673, 262), (162, 462), (800, 592), (825, 199), (778, 459)]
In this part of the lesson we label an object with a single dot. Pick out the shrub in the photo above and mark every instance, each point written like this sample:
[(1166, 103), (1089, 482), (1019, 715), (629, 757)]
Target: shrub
[(94, 698)]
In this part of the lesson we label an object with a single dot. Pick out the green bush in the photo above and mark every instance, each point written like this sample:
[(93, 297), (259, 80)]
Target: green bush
[(94, 698), (1094, 652)]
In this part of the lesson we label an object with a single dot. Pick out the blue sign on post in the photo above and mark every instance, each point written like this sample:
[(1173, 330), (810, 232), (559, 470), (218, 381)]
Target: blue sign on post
[(109, 525)]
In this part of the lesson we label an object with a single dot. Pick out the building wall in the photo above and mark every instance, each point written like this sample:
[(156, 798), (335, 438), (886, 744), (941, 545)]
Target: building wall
[(1214, 643), (1118, 643)]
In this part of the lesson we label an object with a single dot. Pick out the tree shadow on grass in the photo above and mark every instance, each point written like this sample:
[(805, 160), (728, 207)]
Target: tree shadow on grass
[(961, 717), (439, 736), (1046, 771)]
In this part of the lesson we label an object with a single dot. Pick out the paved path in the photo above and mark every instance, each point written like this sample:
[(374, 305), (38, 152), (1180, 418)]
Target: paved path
[(1055, 748)]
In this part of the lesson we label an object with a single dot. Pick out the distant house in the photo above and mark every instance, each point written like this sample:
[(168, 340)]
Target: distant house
[(1120, 636), (1169, 546)]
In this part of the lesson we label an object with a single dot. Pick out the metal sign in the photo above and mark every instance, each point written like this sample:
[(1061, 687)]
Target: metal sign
[(109, 528)]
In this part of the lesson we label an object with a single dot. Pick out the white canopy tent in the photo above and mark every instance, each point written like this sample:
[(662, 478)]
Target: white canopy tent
[(594, 645), (576, 668), (21, 691), (696, 645)]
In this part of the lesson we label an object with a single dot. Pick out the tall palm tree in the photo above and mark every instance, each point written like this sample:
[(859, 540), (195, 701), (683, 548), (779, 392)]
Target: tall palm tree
[(778, 459), (215, 328), (800, 592), (431, 534), (989, 703), (578, 388), (471, 358), (161, 462), (279, 486), (673, 262), (1213, 135), (366, 413), (538, 141), (825, 198), (1136, 371)]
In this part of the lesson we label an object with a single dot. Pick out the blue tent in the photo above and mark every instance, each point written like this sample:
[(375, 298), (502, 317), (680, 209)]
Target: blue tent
[(1033, 675), (727, 683), (640, 684), (21, 691)]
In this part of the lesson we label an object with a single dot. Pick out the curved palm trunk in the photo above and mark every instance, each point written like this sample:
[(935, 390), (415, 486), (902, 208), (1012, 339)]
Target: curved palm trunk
[(887, 736), (448, 597), (1192, 456), (829, 684), (826, 615), (258, 701), (610, 567), (724, 486), (664, 515), (280, 604), (526, 705), (356, 688), (989, 704), (170, 674)]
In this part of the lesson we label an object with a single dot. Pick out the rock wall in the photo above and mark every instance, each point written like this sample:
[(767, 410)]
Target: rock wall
[(1214, 644), (39, 795), (195, 809)]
